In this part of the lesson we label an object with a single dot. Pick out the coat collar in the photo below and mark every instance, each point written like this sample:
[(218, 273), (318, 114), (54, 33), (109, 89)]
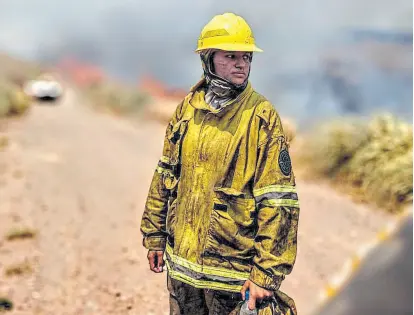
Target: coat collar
[(197, 99)]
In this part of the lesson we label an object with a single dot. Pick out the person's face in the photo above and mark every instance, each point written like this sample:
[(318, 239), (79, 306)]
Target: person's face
[(234, 66)]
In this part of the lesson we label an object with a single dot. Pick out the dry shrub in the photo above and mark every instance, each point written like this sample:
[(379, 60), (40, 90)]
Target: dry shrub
[(119, 100), (19, 102), (13, 100), (372, 158)]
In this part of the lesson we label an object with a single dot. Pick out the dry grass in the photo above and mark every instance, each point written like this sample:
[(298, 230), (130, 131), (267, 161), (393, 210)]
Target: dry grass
[(117, 99), (13, 101), (13, 74), (20, 234), (18, 269), (371, 160)]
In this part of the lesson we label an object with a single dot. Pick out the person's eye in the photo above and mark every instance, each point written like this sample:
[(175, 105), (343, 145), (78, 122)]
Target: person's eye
[(246, 57), (231, 56)]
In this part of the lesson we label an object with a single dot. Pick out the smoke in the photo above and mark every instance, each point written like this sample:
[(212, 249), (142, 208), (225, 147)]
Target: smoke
[(129, 38)]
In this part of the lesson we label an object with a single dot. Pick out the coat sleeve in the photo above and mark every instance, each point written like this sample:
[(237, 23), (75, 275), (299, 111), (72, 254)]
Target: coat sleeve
[(153, 222), (274, 190)]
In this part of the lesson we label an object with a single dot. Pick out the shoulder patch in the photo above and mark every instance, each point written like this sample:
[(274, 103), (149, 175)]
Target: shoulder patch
[(284, 162)]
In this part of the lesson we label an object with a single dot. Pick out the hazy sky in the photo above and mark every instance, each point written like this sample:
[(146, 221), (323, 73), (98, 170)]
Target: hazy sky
[(130, 37)]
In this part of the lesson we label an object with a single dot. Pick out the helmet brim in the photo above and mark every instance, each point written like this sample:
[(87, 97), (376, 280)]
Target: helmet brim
[(231, 47)]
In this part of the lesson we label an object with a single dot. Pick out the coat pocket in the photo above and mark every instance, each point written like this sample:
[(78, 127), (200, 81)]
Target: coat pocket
[(232, 227)]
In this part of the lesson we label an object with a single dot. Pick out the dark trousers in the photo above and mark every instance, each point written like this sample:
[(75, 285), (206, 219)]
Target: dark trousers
[(188, 300)]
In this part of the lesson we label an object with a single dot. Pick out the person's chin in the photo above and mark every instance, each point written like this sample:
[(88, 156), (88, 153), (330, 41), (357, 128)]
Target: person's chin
[(238, 81)]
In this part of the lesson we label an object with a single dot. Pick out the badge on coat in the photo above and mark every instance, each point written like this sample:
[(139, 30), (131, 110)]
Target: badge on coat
[(285, 163)]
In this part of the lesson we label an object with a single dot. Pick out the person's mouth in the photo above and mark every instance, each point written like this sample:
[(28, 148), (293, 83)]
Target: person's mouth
[(239, 74)]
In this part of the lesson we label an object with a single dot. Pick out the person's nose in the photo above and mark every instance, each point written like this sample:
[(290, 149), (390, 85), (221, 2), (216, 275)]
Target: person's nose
[(241, 63)]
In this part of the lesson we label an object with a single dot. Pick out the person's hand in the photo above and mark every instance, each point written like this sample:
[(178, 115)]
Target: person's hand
[(156, 260), (256, 293)]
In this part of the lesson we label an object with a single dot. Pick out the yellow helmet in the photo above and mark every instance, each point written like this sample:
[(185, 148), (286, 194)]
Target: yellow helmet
[(227, 32)]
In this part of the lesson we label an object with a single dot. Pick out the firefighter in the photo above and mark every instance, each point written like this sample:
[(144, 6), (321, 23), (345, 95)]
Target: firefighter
[(222, 209)]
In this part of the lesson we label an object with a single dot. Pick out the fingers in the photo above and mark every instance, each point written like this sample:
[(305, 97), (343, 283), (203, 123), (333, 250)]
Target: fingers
[(252, 302), (156, 260), (257, 294), (244, 289), (151, 260), (160, 260), (262, 294)]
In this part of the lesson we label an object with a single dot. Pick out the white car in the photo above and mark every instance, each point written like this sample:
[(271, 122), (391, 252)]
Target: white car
[(44, 89)]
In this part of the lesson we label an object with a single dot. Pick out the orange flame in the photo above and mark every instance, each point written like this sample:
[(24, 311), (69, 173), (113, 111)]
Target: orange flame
[(158, 89), (82, 74)]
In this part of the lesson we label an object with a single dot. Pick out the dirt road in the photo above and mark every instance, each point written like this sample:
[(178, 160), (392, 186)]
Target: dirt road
[(80, 180)]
